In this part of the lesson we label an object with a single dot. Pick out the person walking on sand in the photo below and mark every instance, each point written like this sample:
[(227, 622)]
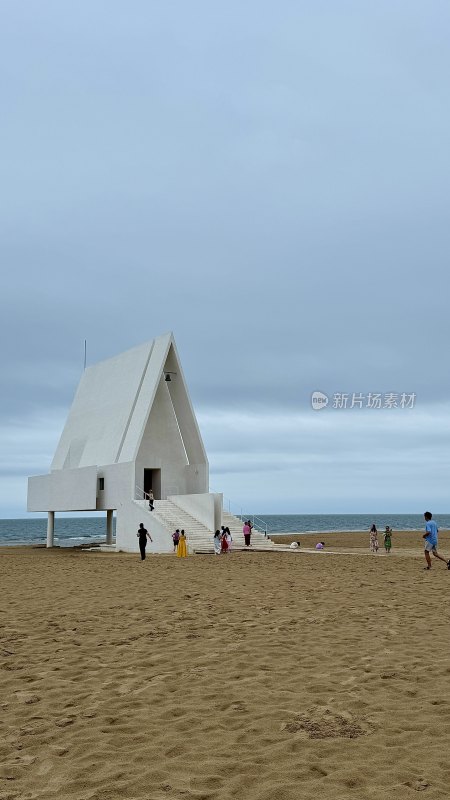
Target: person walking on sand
[(142, 535), (431, 540), (247, 531), (229, 538), (388, 539), (217, 543), (374, 539), (182, 546), (175, 539)]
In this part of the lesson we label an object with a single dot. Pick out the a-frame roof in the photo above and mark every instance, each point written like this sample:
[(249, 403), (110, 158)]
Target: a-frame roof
[(112, 404)]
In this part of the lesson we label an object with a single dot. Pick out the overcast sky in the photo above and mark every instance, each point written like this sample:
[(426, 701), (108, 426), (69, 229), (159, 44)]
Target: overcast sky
[(270, 181)]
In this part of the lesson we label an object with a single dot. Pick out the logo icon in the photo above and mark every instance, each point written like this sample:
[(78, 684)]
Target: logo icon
[(319, 400)]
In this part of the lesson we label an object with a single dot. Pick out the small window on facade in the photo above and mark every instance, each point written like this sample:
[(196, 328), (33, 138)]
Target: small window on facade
[(101, 484)]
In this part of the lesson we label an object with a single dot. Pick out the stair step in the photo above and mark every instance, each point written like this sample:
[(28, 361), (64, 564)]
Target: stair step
[(200, 538)]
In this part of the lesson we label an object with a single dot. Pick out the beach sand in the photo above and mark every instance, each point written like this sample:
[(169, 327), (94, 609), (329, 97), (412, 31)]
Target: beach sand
[(267, 676), (359, 542)]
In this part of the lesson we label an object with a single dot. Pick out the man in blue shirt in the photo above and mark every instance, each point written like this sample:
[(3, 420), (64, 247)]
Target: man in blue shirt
[(431, 540)]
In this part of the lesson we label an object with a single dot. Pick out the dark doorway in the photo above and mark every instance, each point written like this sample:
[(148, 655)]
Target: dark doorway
[(152, 482)]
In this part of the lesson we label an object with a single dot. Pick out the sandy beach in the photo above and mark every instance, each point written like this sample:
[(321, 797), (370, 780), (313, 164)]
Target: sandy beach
[(359, 542), (268, 676)]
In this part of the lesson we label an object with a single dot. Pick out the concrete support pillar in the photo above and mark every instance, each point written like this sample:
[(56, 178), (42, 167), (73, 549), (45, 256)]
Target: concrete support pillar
[(109, 527), (50, 528)]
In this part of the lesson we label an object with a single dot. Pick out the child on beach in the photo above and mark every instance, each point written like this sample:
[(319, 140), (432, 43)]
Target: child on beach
[(217, 543), (388, 539), (224, 543), (176, 539), (431, 540)]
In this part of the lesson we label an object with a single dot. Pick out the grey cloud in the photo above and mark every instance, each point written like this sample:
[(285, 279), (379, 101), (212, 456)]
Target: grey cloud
[(337, 435), (270, 183)]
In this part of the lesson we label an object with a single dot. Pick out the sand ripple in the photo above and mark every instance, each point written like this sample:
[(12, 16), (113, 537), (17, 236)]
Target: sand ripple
[(258, 675)]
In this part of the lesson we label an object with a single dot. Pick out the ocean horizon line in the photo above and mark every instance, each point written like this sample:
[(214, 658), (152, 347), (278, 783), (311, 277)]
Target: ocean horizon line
[(260, 515), (68, 530)]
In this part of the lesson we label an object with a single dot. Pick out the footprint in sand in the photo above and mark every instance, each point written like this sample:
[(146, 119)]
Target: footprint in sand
[(27, 698)]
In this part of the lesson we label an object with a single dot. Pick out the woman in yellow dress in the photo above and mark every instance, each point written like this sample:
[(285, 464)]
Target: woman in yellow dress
[(182, 546)]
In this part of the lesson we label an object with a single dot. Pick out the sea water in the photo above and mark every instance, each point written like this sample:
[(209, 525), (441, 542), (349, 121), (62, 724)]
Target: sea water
[(332, 523), (70, 531)]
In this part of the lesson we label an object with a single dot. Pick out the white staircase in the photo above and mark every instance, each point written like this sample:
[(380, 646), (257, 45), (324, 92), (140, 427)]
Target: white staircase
[(258, 540), (200, 539)]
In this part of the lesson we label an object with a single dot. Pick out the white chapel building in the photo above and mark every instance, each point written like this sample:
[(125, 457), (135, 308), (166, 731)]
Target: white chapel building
[(131, 430)]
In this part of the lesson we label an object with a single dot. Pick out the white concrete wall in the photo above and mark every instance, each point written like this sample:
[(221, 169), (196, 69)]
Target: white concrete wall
[(162, 446), (196, 478), (102, 410), (128, 518), (187, 421), (145, 398), (125, 418), (218, 507), (199, 506), (119, 486), (64, 490)]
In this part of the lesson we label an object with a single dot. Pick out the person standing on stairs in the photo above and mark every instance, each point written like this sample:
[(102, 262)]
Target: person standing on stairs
[(150, 500), (247, 531)]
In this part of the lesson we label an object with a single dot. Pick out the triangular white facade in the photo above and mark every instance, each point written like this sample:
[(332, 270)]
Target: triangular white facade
[(129, 431)]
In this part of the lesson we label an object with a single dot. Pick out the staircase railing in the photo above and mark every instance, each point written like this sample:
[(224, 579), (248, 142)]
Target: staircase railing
[(261, 524), (230, 506), (140, 493)]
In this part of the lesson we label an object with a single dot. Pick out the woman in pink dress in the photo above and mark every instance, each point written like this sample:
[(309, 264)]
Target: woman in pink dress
[(246, 530)]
